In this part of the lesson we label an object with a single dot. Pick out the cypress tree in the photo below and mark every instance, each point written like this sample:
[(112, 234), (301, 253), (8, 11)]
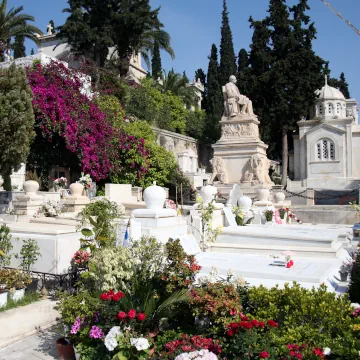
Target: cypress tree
[(156, 66), (227, 53), (199, 74), (19, 47), (16, 120), (344, 86), (243, 60), (213, 96), (32, 52)]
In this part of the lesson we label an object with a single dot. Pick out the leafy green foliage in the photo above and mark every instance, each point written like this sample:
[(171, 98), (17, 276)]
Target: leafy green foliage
[(29, 253), (112, 108), (195, 124), (307, 316), (354, 286), (99, 215), (16, 119), (199, 74), (29, 298), (5, 246)]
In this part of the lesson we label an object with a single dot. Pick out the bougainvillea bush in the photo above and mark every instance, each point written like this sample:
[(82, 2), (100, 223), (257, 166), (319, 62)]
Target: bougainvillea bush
[(61, 107)]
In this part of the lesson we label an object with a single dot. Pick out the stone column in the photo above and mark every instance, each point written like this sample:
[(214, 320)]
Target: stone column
[(310, 193)]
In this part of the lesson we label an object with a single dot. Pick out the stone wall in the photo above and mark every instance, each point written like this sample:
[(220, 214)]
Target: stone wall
[(326, 214)]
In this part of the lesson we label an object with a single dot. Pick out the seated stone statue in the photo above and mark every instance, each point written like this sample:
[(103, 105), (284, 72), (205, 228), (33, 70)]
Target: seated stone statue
[(235, 103)]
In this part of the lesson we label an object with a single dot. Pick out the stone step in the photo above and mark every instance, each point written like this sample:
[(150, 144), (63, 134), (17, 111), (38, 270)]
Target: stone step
[(273, 236), (267, 249)]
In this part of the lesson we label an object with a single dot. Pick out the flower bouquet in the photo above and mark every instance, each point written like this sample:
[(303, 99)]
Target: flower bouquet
[(282, 213), (81, 257), (170, 204), (268, 215), (60, 183), (85, 180), (50, 209), (289, 262)]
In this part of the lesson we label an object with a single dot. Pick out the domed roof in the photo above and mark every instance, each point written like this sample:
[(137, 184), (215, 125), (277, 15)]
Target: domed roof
[(329, 93)]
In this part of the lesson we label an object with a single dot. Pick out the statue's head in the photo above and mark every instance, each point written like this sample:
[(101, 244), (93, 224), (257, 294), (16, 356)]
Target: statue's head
[(233, 79)]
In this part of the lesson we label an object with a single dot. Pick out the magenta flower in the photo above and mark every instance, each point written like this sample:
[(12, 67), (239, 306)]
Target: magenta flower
[(96, 332)]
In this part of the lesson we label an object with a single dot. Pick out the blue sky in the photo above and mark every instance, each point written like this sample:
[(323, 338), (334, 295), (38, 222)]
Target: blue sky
[(195, 24)]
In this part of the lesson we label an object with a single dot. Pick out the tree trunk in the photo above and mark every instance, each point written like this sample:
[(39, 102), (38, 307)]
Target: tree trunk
[(285, 157)]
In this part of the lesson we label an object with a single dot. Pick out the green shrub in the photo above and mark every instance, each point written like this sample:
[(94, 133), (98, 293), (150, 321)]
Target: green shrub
[(111, 106), (5, 246), (313, 316), (354, 286)]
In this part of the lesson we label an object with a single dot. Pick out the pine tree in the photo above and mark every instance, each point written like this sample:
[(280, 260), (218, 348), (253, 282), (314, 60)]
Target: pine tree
[(243, 71), (156, 67), (227, 53), (16, 120), (213, 96), (19, 47), (199, 74)]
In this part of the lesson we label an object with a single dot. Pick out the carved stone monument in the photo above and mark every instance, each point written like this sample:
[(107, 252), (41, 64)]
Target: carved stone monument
[(239, 155)]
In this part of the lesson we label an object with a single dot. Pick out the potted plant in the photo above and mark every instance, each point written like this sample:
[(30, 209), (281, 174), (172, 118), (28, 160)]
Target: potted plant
[(17, 282), (268, 216), (282, 213), (65, 349), (4, 276)]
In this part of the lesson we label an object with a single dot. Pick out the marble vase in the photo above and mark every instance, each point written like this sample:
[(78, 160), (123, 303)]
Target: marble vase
[(245, 203), (154, 197), (279, 197), (263, 195), (208, 193), (76, 189), (31, 187)]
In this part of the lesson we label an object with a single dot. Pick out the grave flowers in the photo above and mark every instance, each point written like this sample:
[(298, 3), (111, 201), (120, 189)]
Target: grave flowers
[(49, 209), (60, 183), (289, 262)]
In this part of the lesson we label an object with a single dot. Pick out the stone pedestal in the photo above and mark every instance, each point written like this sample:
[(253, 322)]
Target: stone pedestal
[(76, 201), (29, 203), (239, 142)]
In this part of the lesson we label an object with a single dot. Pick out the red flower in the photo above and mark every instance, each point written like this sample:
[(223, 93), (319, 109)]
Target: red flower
[(234, 326), (273, 323), (104, 297), (230, 333), (264, 355), (292, 353), (232, 312), (121, 315), (244, 317), (119, 295), (261, 324), (141, 317), (255, 322), (287, 209), (247, 325), (299, 356), (132, 314), (319, 352)]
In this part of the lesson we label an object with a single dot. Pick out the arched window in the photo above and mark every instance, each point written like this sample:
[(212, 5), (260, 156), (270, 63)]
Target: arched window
[(330, 108), (320, 109), (338, 109), (325, 150)]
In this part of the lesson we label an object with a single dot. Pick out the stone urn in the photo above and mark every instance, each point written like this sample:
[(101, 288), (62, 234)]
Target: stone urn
[(263, 195), (279, 197), (245, 203), (31, 187), (76, 189), (208, 193), (154, 197)]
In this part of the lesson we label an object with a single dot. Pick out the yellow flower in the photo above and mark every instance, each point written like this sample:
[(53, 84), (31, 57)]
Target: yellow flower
[(356, 327)]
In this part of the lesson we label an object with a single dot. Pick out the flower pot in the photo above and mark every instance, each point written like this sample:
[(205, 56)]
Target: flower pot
[(65, 349), (343, 276), (77, 355), (76, 189), (154, 197), (279, 197), (31, 187), (245, 203), (3, 298), (17, 294), (263, 195), (208, 193)]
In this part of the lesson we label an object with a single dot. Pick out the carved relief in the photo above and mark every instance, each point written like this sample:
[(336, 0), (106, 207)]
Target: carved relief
[(219, 170), (257, 170), (240, 130)]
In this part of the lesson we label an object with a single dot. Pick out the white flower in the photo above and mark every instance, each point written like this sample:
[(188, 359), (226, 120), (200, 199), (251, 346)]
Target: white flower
[(231, 272), (197, 355), (110, 339), (140, 343), (327, 351)]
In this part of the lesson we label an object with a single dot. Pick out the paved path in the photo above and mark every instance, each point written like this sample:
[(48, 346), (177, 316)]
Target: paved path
[(39, 346)]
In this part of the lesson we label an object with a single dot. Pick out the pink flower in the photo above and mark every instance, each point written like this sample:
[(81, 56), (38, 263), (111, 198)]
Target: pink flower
[(132, 314)]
